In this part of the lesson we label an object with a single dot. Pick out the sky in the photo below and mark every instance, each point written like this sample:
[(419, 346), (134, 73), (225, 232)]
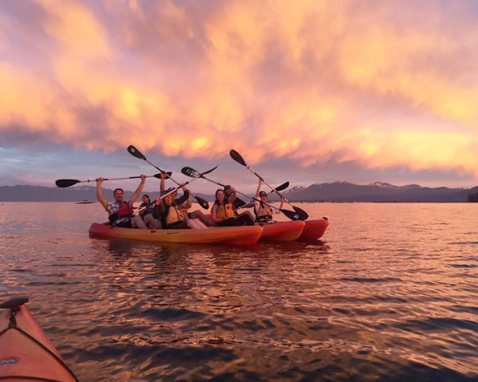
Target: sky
[(307, 91)]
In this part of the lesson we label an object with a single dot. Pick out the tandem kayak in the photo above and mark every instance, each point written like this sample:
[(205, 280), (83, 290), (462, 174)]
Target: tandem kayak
[(282, 231), (314, 229), (26, 354), (213, 235)]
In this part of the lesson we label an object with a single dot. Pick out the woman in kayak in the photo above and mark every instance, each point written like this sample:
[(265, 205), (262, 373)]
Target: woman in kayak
[(224, 212), (168, 212), (264, 213), (120, 212), (145, 210), (245, 218)]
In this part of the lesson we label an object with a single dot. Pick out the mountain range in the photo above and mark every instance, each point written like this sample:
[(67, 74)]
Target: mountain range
[(321, 192)]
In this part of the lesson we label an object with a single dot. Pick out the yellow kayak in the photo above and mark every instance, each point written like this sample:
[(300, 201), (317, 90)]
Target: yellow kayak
[(214, 235)]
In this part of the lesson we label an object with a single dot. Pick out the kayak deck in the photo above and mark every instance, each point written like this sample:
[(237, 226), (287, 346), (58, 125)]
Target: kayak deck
[(243, 235), (282, 231), (26, 354)]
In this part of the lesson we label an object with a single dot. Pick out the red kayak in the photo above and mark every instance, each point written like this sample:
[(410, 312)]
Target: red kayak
[(282, 231), (26, 354), (314, 229)]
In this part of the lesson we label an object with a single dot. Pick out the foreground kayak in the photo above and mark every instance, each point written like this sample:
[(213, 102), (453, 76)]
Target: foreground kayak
[(221, 235), (314, 229), (282, 231), (26, 354)]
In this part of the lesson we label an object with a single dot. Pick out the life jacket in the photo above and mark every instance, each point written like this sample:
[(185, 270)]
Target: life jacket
[(125, 211), (173, 215), (225, 211), (263, 212)]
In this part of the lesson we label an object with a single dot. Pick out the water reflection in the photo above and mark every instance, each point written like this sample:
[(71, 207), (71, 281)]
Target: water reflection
[(389, 295)]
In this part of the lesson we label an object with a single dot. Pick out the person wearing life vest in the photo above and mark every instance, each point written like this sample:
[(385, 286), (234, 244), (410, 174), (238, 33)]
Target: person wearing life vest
[(224, 213), (145, 210), (167, 210), (264, 213), (120, 212), (245, 217)]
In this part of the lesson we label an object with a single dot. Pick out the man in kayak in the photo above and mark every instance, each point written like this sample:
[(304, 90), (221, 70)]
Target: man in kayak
[(264, 213), (120, 212)]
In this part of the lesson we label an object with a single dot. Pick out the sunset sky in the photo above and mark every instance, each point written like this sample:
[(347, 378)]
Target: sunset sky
[(308, 91)]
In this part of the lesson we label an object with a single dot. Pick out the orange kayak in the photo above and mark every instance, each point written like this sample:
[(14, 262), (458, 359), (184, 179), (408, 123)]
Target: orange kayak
[(213, 235), (314, 229), (26, 354), (282, 231)]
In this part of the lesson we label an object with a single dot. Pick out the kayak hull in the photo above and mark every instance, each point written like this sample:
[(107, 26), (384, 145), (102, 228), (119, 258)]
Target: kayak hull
[(314, 229), (282, 231), (21, 358), (242, 235)]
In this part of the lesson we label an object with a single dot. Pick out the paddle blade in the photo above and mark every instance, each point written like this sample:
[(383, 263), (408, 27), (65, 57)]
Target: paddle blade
[(237, 157), (202, 202), (192, 173), (208, 171), (303, 215), (135, 152), (158, 175), (292, 215), (62, 183), (283, 186)]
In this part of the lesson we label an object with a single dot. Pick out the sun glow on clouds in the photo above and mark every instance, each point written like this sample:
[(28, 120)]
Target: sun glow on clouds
[(308, 80)]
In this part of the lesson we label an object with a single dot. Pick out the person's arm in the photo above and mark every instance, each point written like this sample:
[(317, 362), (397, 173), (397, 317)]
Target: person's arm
[(183, 198), (99, 193), (138, 191), (214, 212), (162, 185), (258, 188)]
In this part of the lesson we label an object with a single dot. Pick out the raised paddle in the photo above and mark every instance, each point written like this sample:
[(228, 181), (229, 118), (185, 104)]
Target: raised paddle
[(239, 159), (138, 154), (188, 171), (62, 183), (199, 176)]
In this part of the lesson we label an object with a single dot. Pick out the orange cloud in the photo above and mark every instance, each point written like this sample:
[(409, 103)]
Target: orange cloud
[(306, 80)]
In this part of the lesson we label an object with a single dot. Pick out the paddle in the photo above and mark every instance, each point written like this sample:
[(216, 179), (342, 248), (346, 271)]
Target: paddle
[(239, 159), (138, 154), (62, 183), (188, 171), (199, 176)]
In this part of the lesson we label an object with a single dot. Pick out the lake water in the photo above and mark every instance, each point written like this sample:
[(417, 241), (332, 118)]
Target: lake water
[(390, 294)]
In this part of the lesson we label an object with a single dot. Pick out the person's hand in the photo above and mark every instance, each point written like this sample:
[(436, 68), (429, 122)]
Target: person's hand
[(184, 188), (143, 178), (164, 175), (157, 201), (99, 181)]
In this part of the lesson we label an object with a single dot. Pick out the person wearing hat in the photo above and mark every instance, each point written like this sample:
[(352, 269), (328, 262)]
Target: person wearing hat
[(263, 212)]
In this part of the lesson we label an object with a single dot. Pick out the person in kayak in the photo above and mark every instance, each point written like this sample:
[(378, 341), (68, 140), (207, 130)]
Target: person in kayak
[(145, 210), (120, 212), (196, 214), (224, 213), (245, 218), (168, 212), (263, 212)]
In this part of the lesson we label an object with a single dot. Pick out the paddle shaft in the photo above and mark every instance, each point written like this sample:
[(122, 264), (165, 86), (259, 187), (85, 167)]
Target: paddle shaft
[(199, 199)]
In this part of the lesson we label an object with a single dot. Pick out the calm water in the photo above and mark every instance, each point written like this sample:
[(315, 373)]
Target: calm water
[(390, 294)]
